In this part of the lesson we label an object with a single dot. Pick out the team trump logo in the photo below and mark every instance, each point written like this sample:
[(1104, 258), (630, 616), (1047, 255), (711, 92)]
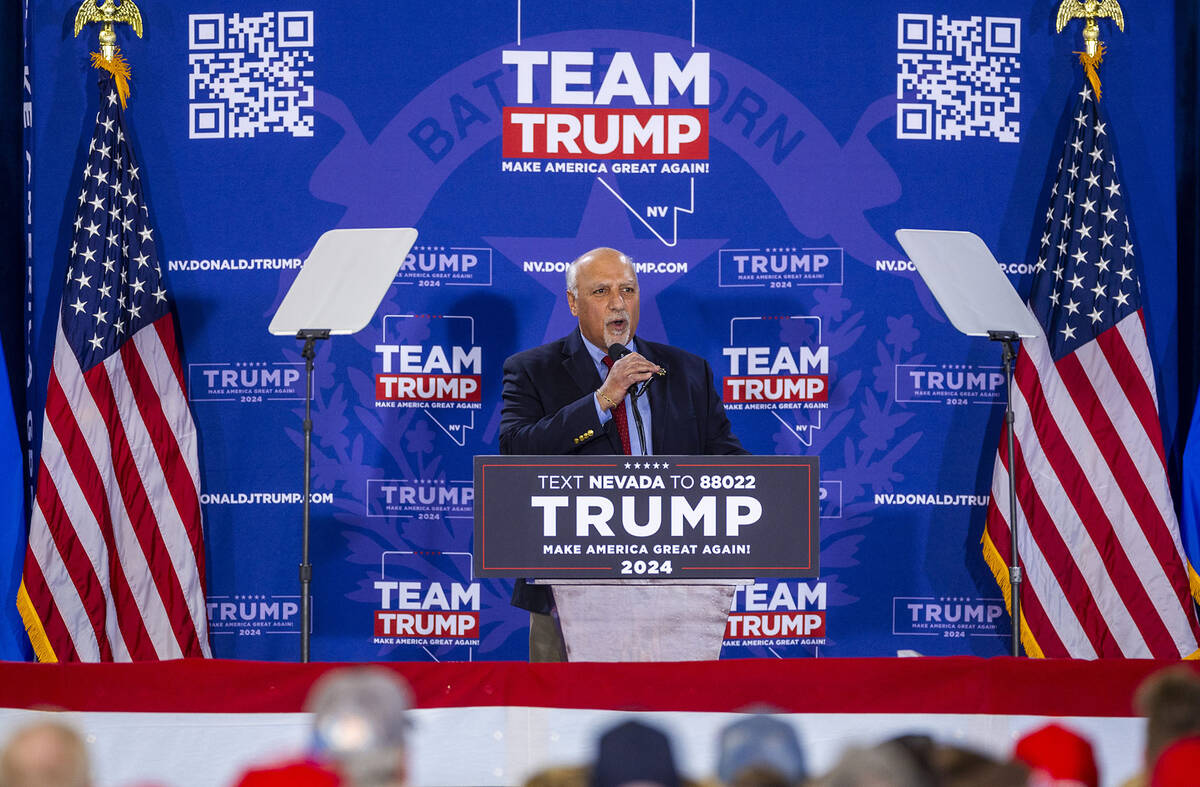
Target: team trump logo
[(786, 614), (431, 362), (578, 121), (422, 603), (765, 373), (413, 373), (776, 375), (426, 610), (778, 364)]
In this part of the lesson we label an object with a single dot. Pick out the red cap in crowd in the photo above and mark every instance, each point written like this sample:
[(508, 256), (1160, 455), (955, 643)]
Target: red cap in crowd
[(296, 773), (1059, 754)]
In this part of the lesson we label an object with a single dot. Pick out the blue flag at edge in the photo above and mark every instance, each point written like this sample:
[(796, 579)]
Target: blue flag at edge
[(1189, 521), (14, 645)]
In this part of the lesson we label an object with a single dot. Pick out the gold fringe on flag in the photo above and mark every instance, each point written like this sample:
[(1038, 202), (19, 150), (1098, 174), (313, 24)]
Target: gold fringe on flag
[(999, 569), (1193, 581), (1091, 64), (120, 71), (42, 649), (1194, 588)]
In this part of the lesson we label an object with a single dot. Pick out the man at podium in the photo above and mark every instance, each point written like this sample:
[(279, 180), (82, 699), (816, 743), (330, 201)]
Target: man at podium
[(603, 390)]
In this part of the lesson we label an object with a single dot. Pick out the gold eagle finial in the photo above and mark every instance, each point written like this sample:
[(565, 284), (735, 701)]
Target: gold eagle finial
[(1090, 11), (107, 14)]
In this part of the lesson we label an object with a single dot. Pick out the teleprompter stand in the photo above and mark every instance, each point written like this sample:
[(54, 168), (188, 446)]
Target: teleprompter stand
[(309, 337), (979, 299), (337, 291)]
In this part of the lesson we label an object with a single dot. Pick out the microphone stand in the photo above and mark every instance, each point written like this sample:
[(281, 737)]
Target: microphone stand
[(637, 418)]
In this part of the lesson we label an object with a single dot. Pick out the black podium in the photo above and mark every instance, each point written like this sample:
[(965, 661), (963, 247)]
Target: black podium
[(645, 553)]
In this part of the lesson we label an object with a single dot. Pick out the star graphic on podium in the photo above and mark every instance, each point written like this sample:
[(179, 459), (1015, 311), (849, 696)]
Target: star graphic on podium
[(605, 222)]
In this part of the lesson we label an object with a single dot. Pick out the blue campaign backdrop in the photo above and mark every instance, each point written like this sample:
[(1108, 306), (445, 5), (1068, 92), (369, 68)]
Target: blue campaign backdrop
[(827, 126)]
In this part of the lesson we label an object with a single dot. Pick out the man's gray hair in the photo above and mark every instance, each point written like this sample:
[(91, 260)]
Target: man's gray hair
[(573, 268), (572, 274)]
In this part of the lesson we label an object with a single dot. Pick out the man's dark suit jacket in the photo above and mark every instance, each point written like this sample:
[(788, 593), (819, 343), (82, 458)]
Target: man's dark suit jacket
[(550, 408)]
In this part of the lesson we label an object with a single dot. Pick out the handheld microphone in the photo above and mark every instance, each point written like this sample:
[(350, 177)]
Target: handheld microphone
[(619, 351)]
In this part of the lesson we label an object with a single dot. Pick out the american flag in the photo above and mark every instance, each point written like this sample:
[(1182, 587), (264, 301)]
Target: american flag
[(1104, 571), (115, 565)]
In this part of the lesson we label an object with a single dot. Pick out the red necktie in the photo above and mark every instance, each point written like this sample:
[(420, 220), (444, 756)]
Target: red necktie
[(618, 414)]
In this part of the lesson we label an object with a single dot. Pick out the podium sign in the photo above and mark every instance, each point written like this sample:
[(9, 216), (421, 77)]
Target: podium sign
[(624, 517)]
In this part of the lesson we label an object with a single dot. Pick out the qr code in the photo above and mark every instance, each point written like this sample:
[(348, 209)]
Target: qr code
[(958, 77), (250, 74)]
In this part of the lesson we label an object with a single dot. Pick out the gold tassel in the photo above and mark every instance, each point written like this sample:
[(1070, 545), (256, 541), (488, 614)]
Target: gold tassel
[(42, 649), (118, 68), (999, 569), (1090, 65)]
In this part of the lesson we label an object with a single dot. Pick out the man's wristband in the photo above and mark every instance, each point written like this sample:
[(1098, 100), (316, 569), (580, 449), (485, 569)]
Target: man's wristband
[(605, 397)]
